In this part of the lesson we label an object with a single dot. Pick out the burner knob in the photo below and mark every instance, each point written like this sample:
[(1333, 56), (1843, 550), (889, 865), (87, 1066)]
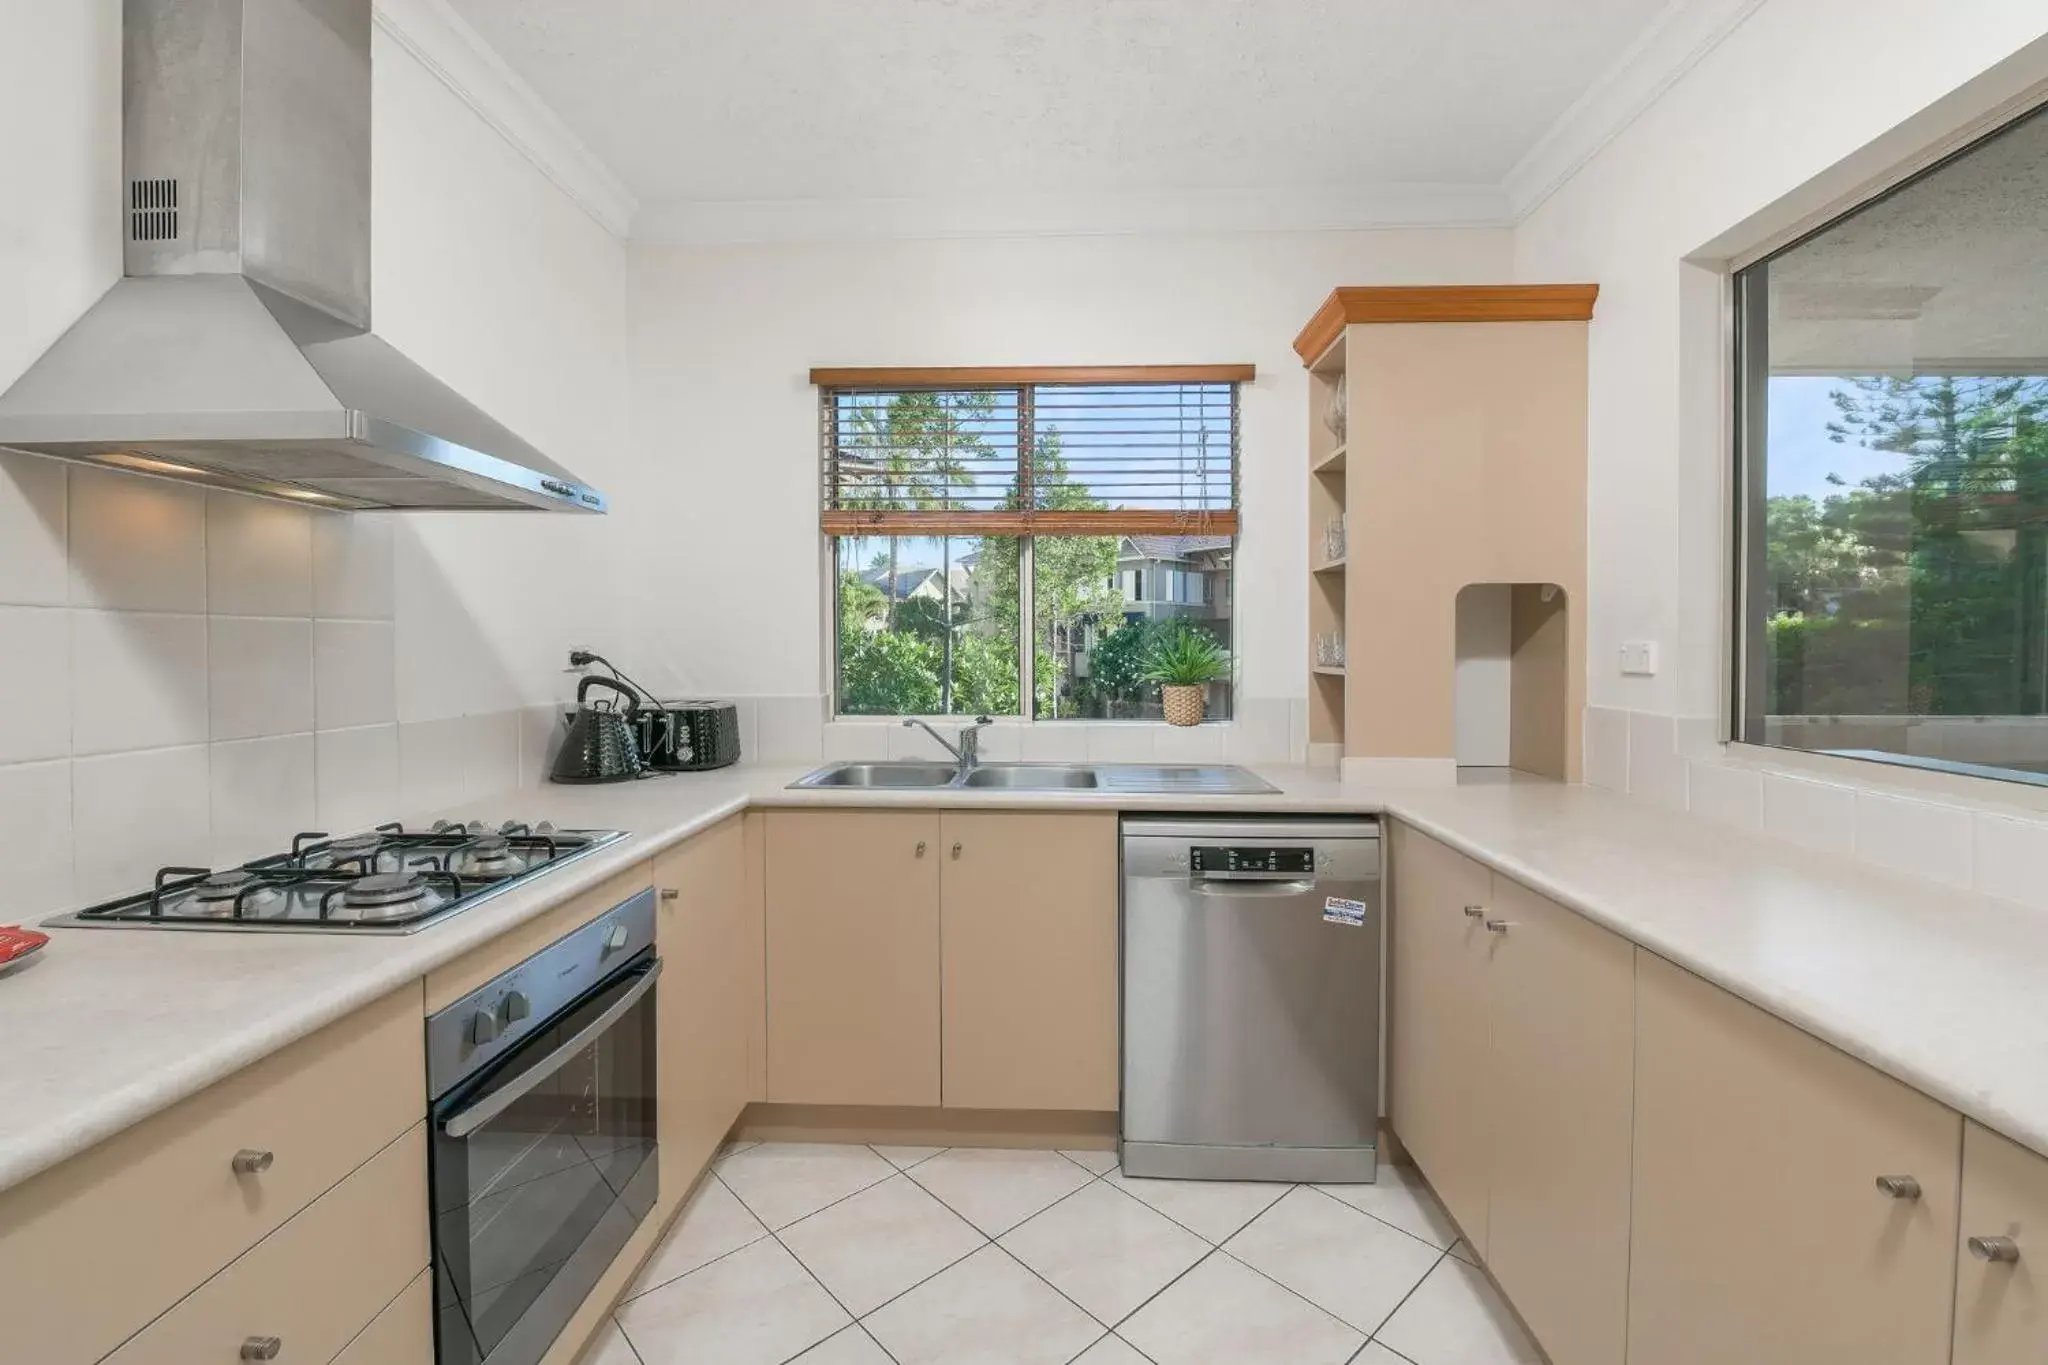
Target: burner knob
[(615, 938), (483, 1028), (513, 1008)]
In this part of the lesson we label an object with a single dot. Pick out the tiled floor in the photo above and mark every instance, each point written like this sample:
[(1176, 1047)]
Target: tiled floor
[(834, 1255)]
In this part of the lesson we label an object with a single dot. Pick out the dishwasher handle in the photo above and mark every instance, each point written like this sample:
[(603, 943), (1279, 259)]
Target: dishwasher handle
[(1253, 888)]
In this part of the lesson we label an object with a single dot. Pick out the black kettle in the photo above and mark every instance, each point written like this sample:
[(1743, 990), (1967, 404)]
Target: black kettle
[(600, 746)]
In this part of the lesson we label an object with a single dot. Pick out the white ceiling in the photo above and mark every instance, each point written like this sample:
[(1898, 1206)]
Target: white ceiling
[(732, 118)]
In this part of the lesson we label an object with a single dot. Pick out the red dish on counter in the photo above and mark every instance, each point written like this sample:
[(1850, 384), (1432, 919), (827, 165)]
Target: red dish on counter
[(17, 943)]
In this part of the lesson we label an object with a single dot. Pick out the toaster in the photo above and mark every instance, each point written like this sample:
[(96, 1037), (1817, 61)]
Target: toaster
[(689, 736)]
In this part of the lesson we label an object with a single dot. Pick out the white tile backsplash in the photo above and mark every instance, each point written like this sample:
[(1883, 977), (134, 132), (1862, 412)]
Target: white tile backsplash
[(35, 683), (2011, 858), (1606, 748), (35, 839), (1656, 770), (1727, 795), (354, 674), (1920, 838), (786, 730), (1112, 743), (433, 763), (138, 681), (1191, 743), (356, 778), (136, 544), (133, 813), (263, 794), (1818, 815), (490, 757), (260, 679), (353, 566), (33, 495), (259, 557), (1064, 743)]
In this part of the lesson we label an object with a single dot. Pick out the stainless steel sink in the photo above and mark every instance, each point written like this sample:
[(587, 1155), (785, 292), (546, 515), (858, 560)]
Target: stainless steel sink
[(881, 775), (1032, 776)]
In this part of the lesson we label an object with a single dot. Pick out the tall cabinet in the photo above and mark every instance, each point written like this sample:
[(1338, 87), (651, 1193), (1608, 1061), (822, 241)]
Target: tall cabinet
[(1460, 462)]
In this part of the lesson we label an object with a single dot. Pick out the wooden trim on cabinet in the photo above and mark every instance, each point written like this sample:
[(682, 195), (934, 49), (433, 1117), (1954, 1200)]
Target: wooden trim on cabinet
[(1442, 303), (997, 376), (1154, 522)]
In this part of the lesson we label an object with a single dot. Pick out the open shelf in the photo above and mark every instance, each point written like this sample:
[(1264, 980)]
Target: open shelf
[(1332, 463), (1328, 670), (1332, 566)]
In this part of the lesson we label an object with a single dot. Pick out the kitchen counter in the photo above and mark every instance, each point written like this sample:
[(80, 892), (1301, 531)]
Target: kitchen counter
[(1935, 987)]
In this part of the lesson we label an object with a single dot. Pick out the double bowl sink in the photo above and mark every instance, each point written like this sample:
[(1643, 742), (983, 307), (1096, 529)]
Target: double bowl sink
[(1213, 779)]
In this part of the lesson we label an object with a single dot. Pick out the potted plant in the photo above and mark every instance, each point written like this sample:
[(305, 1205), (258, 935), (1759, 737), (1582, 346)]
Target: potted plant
[(1184, 661)]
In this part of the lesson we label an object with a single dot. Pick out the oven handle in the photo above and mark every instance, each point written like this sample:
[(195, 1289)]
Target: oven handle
[(498, 1101)]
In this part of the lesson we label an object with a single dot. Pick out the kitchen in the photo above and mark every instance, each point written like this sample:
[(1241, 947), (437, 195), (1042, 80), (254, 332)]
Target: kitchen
[(903, 1007)]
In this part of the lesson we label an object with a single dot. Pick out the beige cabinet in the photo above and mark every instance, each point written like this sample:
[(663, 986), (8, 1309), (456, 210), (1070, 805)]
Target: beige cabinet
[(1760, 1233), (403, 1334), (1439, 1023), (1560, 1100), (853, 957), (1028, 935), (2002, 1253), (709, 932)]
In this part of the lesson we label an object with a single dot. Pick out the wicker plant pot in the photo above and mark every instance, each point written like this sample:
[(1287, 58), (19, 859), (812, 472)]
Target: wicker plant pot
[(1183, 703)]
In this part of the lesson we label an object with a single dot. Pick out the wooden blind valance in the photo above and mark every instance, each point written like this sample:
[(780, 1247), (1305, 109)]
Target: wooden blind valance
[(1143, 450)]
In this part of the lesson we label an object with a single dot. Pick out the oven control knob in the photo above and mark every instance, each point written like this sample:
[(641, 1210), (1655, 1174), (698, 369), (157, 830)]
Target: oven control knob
[(483, 1028), (513, 1008), (615, 939)]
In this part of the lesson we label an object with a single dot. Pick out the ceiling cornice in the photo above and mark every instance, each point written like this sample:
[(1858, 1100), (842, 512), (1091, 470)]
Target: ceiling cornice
[(1053, 215), (1683, 34), (445, 44)]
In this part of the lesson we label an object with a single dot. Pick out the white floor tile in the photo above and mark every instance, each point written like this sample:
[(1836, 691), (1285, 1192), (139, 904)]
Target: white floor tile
[(1355, 1268), (1456, 1318), (987, 1310), (851, 1346), (610, 1348), (903, 1158), (871, 1247), (1111, 1350), (1462, 1249), (1222, 1313), (1213, 1209), (1403, 1198), (996, 1188), (733, 1149), (784, 1181), (1376, 1354), (1105, 1250), (712, 1224), (754, 1307), (1099, 1163)]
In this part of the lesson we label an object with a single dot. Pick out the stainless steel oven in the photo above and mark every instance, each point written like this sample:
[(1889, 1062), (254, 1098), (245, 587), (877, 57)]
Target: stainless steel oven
[(543, 1157)]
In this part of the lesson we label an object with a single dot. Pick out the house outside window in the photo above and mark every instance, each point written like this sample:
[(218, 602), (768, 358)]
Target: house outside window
[(1017, 545), (1892, 419)]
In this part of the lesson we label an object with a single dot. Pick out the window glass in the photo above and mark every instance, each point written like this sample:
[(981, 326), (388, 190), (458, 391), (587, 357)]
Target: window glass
[(927, 625), (1094, 644), (1893, 417)]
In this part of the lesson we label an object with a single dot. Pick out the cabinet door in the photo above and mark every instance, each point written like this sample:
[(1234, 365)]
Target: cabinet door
[(2002, 1305), (702, 931), (1759, 1232), (1439, 1023), (1562, 1092), (853, 957), (1028, 942), (403, 1334)]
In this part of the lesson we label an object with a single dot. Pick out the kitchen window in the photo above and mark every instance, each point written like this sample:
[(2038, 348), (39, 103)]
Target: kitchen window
[(1892, 419), (992, 535)]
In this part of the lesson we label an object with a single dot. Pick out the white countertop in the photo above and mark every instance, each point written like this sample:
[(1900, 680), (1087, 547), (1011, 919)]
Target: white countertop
[(1936, 987)]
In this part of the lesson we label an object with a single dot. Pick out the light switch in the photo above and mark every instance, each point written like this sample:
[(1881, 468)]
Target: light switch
[(1639, 658)]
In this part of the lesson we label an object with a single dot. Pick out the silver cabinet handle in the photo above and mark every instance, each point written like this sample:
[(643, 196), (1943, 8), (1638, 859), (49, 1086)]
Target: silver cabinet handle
[(249, 1161), (261, 1348), (1499, 926), (1898, 1186), (956, 853), (2000, 1250), (920, 848), (1475, 912), (669, 893)]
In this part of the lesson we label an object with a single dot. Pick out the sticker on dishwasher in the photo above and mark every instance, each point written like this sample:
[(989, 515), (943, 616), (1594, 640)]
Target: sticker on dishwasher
[(1337, 910)]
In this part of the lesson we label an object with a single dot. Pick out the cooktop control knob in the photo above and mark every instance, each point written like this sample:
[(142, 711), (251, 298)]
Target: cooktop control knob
[(513, 1008), (483, 1028), (615, 939)]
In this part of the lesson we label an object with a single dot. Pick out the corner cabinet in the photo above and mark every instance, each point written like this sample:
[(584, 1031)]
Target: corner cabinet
[(954, 959)]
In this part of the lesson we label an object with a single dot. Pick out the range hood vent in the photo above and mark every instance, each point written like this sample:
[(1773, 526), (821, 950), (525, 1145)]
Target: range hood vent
[(237, 350)]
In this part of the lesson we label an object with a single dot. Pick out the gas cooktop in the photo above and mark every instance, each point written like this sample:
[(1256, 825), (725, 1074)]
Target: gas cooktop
[(390, 880)]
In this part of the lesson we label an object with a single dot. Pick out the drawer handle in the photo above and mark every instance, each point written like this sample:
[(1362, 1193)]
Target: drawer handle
[(669, 893), (1999, 1250), (1499, 926), (1475, 912), (956, 853), (920, 848), (262, 1348), (249, 1161), (1898, 1186)]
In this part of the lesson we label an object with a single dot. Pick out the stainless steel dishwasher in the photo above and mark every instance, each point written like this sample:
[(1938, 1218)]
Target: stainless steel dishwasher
[(1251, 998)]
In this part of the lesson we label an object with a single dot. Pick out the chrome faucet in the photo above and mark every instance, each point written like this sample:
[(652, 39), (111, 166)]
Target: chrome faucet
[(965, 746)]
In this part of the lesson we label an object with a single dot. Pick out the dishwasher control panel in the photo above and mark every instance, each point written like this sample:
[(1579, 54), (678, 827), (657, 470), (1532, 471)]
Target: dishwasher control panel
[(1212, 858)]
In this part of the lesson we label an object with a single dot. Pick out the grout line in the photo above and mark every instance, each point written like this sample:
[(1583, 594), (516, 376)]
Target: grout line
[(1147, 1301), (1377, 1219), (621, 1328), (1392, 1313), (1349, 1326), (812, 1276)]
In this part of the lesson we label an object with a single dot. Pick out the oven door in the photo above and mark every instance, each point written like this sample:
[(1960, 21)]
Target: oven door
[(542, 1166)]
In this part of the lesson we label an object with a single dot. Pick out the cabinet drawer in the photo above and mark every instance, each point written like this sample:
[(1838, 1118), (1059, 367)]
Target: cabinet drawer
[(403, 1334), (95, 1248), (316, 1282)]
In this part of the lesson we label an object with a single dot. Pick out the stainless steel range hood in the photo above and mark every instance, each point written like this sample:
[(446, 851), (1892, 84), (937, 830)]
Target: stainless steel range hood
[(237, 350)]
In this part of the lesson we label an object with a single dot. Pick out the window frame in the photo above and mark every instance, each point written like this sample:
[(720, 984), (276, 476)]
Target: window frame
[(1026, 527)]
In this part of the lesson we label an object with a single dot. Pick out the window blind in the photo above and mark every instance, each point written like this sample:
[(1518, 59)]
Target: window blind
[(1077, 452)]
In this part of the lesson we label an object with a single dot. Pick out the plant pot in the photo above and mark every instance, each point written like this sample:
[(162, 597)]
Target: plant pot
[(1183, 702)]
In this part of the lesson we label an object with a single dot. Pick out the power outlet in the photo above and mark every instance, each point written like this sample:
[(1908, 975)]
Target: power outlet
[(1639, 658)]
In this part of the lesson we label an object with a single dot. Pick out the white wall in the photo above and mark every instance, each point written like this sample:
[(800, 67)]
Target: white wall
[(1802, 107), (723, 504), (190, 677)]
